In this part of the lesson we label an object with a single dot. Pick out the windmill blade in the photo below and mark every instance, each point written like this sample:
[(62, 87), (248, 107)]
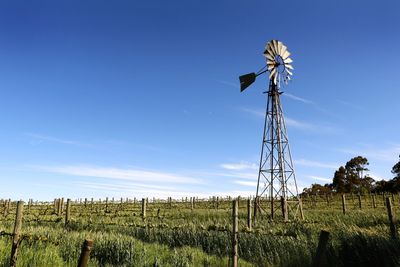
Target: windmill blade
[(280, 46), (275, 46), (288, 60), (289, 66), (270, 65), (272, 47), (270, 57), (270, 52), (288, 71), (271, 75), (285, 55), (284, 49), (275, 78)]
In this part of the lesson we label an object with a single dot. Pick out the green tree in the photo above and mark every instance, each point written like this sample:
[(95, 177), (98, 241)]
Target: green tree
[(355, 168), (339, 180)]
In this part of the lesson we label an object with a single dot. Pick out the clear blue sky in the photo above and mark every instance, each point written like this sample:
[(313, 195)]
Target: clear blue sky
[(141, 98)]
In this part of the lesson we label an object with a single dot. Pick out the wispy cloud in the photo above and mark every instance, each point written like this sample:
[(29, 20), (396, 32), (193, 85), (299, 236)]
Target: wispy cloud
[(348, 104), (39, 138), (316, 164), (120, 174), (297, 98), (246, 183), (239, 166), (228, 83), (320, 178), (388, 154), (290, 122)]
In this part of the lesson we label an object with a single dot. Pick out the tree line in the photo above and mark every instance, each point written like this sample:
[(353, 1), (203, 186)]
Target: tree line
[(350, 178)]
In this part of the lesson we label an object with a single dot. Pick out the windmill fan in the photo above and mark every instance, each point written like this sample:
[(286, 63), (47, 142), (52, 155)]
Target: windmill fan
[(278, 62)]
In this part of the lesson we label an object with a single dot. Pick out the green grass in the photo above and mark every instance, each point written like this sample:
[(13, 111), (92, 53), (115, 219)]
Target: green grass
[(179, 236)]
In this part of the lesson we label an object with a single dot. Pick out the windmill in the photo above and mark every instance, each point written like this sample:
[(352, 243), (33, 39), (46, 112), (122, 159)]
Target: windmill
[(276, 183)]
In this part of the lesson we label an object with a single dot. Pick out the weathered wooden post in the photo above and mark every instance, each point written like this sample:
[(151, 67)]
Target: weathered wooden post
[(249, 214), (284, 209), (191, 203), (301, 208), (234, 262), (256, 203), (322, 243), (344, 203), (68, 212), (359, 201), (373, 201), (393, 230), (85, 202), (106, 204), (16, 233), (143, 208), (85, 253), (327, 199)]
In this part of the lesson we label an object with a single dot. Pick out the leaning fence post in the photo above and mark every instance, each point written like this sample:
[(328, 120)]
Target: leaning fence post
[(344, 203), (68, 212), (234, 262), (143, 208), (373, 201), (85, 253), (322, 243), (16, 233), (249, 213), (301, 208), (393, 231)]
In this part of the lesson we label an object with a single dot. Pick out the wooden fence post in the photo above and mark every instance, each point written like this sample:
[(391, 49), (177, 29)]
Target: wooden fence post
[(284, 209), (359, 201), (234, 262), (68, 211), (344, 203), (322, 243), (393, 231), (85, 253), (143, 208), (373, 201), (301, 208), (16, 233), (249, 214)]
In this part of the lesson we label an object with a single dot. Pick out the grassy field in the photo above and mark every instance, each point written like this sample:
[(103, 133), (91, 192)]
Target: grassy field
[(172, 234)]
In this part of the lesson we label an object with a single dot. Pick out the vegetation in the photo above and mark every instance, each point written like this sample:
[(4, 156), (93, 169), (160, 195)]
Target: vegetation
[(350, 179), (172, 234)]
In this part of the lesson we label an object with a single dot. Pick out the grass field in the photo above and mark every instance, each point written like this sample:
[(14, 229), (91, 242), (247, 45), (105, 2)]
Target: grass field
[(174, 234)]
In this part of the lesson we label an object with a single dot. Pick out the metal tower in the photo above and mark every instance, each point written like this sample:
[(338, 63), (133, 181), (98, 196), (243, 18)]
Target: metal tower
[(276, 185)]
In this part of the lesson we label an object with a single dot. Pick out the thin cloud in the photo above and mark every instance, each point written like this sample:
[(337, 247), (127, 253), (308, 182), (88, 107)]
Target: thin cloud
[(38, 139), (348, 104), (320, 178), (297, 98), (239, 166), (389, 154), (120, 174), (246, 183), (290, 122), (316, 164), (231, 84)]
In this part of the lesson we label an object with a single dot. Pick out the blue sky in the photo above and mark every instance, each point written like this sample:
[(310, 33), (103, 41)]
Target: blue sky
[(141, 98)]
